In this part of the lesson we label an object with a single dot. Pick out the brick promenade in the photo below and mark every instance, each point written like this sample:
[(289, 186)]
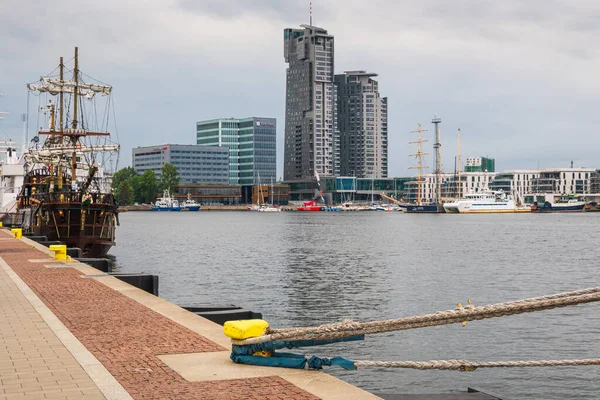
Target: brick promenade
[(123, 335)]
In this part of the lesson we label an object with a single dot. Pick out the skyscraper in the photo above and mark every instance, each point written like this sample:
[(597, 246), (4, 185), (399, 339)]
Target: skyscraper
[(310, 128), (362, 122)]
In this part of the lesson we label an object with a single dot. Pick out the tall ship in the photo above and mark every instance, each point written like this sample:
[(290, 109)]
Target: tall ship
[(419, 206), (66, 194)]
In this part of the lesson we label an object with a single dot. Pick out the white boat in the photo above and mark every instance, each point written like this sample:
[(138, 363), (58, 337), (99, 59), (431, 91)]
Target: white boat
[(348, 206), (264, 207), (268, 208), (483, 203), (12, 173), (166, 203), (190, 204)]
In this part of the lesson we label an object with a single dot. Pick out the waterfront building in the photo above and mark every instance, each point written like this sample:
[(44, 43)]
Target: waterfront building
[(553, 183), (348, 188), (362, 122), (215, 195), (271, 194), (311, 137), (195, 164), (480, 164), (470, 182), (252, 144), (595, 182), (563, 181), (516, 182)]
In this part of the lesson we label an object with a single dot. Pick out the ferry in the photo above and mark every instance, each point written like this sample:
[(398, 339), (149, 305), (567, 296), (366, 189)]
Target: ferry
[(485, 202)]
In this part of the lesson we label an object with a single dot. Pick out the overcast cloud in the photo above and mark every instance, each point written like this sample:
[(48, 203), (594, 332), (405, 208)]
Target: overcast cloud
[(520, 78)]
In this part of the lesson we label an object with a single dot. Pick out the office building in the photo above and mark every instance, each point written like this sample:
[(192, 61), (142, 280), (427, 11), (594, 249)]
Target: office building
[(362, 122), (252, 144), (195, 164), (310, 128), (480, 164)]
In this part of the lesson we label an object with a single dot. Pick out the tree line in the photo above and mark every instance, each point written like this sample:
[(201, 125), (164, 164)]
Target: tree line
[(131, 187)]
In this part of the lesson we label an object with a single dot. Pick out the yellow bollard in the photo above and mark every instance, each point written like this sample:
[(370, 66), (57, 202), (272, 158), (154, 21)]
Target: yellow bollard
[(244, 329), (0, 224), (18, 232), (60, 251)]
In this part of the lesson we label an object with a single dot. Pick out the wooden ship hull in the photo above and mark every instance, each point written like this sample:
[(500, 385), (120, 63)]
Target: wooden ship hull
[(90, 228), (62, 216)]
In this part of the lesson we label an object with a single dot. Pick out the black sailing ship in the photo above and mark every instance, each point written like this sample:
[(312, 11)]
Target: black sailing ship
[(66, 194)]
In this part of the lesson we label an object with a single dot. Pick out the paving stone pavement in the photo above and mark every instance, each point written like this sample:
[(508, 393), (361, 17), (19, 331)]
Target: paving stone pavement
[(125, 336), (34, 364)]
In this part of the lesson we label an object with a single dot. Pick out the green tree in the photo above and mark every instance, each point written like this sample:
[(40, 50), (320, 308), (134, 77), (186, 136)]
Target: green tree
[(169, 177), (125, 196), (122, 175), (147, 187)]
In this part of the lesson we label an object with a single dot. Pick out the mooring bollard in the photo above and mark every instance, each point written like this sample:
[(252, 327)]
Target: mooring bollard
[(18, 232), (60, 251)]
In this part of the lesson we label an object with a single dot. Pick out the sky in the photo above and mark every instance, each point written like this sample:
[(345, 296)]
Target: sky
[(519, 78)]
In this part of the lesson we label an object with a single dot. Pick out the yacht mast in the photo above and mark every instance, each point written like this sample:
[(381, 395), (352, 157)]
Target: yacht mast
[(418, 155), (458, 162)]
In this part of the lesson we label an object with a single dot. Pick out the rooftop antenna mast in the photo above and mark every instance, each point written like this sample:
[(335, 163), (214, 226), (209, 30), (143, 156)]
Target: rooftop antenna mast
[(438, 159), (418, 155), (310, 13)]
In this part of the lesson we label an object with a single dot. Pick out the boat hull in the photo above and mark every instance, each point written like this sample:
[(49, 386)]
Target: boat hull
[(559, 208), (312, 208), (154, 208), (90, 228), (191, 208), (423, 209)]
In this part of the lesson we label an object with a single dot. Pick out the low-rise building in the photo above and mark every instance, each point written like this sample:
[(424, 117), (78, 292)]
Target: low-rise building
[(195, 164), (470, 182), (206, 194), (516, 182)]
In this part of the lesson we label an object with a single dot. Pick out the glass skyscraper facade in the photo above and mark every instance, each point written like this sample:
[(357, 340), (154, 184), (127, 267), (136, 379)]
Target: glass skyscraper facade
[(252, 144)]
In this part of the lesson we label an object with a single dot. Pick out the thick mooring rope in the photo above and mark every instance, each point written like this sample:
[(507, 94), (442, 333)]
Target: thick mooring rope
[(459, 315), (464, 365)]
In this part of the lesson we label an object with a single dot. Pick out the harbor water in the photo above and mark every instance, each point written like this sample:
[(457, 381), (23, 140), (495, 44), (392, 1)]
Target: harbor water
[(304, 269)]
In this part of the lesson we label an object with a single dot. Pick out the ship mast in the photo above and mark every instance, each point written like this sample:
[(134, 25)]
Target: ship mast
[(61, 99), (75, 98), (418, 155), (438, 160)]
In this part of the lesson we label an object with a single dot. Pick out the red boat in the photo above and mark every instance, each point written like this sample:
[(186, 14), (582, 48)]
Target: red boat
[(311, 206)]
